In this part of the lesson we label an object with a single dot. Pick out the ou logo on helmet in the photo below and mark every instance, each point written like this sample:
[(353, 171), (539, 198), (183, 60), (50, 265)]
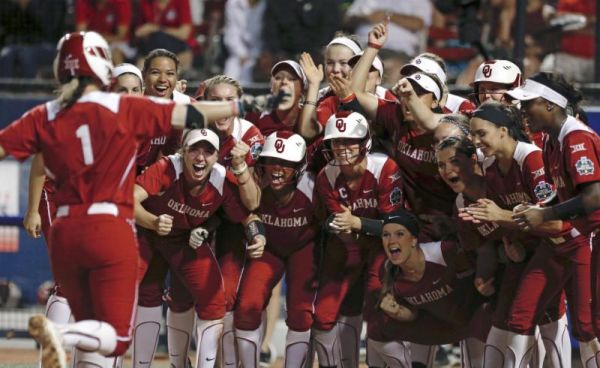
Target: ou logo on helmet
[(487, 71), (203, 132), (340, 124), (279, 145)]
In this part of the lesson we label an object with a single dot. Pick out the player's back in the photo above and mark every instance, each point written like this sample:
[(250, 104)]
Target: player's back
[(90, 147)]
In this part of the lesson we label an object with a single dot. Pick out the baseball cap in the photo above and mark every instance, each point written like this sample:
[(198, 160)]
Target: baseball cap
[(377, 63), (127, 68), (404, 218), (197, 135), (427, 83), (540, 86), (295, 67), (423, 64)]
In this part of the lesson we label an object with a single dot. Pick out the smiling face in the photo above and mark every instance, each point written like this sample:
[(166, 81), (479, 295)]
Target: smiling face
[(285, 79), (536, 114), (425, 96), (222, 92), (128, 84), (346, 151), (455, 168), (491, 91), (487, 136), (278, 173), (398, 243), (336, 60), (199, 160), (161, 77)]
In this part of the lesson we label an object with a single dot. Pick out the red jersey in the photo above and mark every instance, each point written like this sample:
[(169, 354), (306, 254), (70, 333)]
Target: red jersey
[(578, 43), (270, 122), (168, 194), (291, 227), (103, 18), (525, 182), (456, 104), (90, 147), (248, 133), (572, 160), (175, 14), (472, 235), (380, 190), (445, 290), (167, 144), (330, 104), (424, 189)]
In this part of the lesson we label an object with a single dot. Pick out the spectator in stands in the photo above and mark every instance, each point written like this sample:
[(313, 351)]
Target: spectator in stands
[(242, 37), (110, 18), (29, 30), (409, 21), (293, 27), (575, 59), (166, 24)]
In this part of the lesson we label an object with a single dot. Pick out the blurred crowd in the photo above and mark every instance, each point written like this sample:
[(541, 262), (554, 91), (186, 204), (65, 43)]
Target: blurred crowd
[(245, 38)]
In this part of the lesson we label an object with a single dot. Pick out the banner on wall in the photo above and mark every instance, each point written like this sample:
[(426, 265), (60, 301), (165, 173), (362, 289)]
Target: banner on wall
[(9, 205)]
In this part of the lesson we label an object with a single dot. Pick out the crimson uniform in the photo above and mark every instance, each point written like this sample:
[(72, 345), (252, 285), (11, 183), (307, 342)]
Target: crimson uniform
[(456, 104), (290, 232), (92, 147), (149, 150), (330, 104), (270, 122), (344, 260), (424, 190), (523, 182), (197, 268), (103, 19), (230, 238), (569, 161)]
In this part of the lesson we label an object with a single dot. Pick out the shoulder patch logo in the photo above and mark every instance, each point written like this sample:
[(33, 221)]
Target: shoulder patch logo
[(396, 196), (584, 166), (255, 150), (543, 190), (577, 147)]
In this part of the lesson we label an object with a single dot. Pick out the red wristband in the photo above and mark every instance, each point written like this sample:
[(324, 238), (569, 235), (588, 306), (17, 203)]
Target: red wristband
[(348, 98), (375, 45)]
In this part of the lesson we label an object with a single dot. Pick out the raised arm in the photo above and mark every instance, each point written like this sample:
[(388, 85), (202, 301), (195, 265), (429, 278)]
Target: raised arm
[(368, 101), (197, 114), (308, 126)]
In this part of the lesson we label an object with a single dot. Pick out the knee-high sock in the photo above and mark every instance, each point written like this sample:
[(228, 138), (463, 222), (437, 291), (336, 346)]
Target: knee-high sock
[(228, 353), (327, 346), (57, 311), (349, 330), (392, 354), (519, 350), (180, 327), (248, 347), (208, 335), (590, 353), (471, 350), (557, 342), (494, 355), (85, 359), (296, 348), (145, 335), (424, 354)]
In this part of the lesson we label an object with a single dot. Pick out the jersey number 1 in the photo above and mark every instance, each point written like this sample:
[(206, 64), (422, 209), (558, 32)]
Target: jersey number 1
[(83, 133)]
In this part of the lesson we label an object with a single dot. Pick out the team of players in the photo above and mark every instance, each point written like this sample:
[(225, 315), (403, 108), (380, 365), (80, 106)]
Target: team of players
[(475, 221)]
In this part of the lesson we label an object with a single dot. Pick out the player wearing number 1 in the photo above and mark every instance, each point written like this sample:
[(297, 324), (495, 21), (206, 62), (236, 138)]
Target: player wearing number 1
[(89, 140)]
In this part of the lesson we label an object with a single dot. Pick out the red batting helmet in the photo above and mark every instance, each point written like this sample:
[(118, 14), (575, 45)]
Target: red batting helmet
[(83, 54)]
